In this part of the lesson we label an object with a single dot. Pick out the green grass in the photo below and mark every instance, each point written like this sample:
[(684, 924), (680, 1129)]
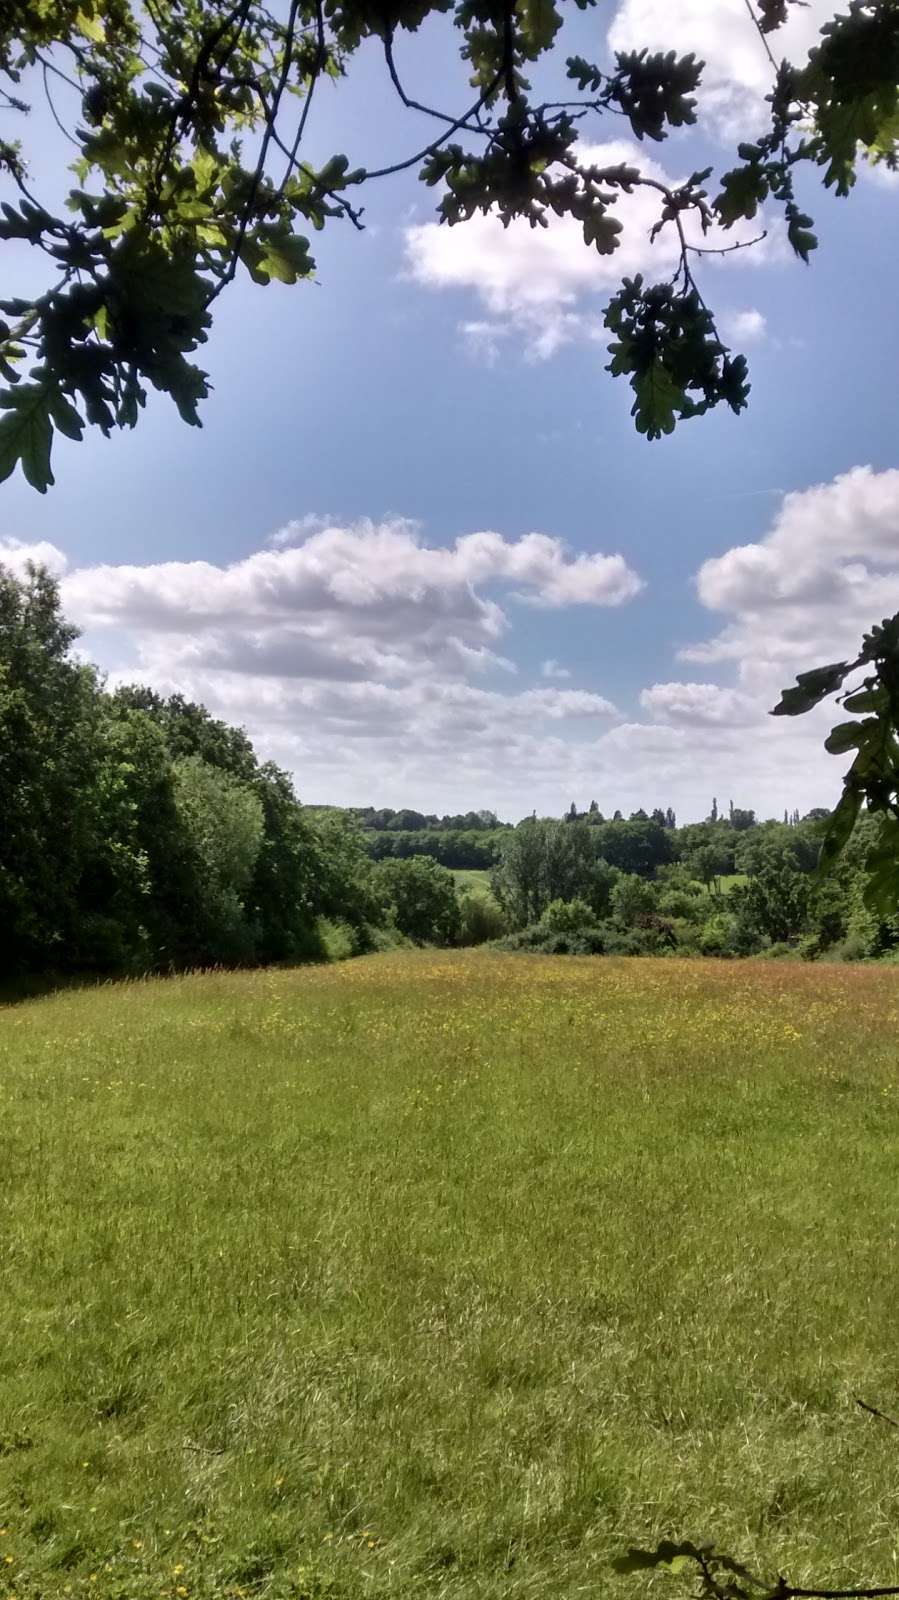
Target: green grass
[(475, 879), (447, 1275)]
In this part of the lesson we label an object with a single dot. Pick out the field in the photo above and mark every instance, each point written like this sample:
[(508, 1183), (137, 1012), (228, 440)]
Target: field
[(475, 879), (447, 1276)]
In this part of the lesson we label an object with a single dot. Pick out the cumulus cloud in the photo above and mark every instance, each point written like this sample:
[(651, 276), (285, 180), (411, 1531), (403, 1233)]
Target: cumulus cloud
[(16, 554), (800, 596), (697, 704), (362, 657), (295, 531), (738, 73), (744, 327), (382, 576), (543, 283), (826, 569), (378, 667)]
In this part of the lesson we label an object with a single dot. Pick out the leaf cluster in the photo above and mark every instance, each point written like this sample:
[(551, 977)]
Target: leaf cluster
[(872, 732), (666, 342)]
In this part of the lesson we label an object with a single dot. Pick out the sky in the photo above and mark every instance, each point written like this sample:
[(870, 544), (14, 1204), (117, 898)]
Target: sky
[(418, 549)]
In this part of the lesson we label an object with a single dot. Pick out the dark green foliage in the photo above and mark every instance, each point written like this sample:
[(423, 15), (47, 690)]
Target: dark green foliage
[(634, 846), (666, 343), (480, 919), (773, 904), (49, 767), (709, 862), (872, 780), (720, 1577), (419, 898), (852, 79), (543, 861), (449, 847), (140, 834)]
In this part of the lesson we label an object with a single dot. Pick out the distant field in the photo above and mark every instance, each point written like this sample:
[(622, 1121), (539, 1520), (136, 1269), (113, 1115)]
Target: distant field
[(447, 1275), (473, 879)]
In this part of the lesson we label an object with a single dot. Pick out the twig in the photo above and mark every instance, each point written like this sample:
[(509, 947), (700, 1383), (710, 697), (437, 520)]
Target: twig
[(430, 149), (873, 1411), (728, 250), (761, 33), (53, 111), (307, 103), (786, 1592)]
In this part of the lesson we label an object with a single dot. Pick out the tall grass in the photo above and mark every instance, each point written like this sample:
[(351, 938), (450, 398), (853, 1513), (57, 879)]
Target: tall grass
[(446, 1276)]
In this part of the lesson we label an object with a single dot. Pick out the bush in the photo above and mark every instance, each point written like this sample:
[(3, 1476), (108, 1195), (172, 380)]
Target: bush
[(683, 904), (567, 916), (419, 898), (339, 940), (780, 951), (378, 941), (542, 941), (480, 919), (718, 936)]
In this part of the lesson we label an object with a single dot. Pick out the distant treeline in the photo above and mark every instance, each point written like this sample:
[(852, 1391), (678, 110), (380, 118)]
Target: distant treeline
[(639, 843)]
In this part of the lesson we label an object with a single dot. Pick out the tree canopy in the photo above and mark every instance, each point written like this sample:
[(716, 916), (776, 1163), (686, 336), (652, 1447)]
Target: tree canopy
[(191, 118)]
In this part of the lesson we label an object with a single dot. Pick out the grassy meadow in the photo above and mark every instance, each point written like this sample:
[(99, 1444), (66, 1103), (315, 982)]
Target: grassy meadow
[(447, 1275), (475, 879)]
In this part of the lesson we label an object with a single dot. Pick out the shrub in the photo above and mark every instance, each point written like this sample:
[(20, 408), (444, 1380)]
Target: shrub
[(338, 939), (585, 941), (480, 919), (718, 936), (419, 898), (567, 916)]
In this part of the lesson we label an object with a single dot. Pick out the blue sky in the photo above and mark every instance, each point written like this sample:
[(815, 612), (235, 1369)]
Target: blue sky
[(436, 384)]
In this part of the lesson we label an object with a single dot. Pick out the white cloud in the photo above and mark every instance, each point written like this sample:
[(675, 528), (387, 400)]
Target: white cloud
[(376, 581), (697, 704), (380, 668), (483, 340), (744, 327), (543, 283), (16, 554), (828, 567), (801, 596), (353, 654), (295, 531), (738, 74)]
